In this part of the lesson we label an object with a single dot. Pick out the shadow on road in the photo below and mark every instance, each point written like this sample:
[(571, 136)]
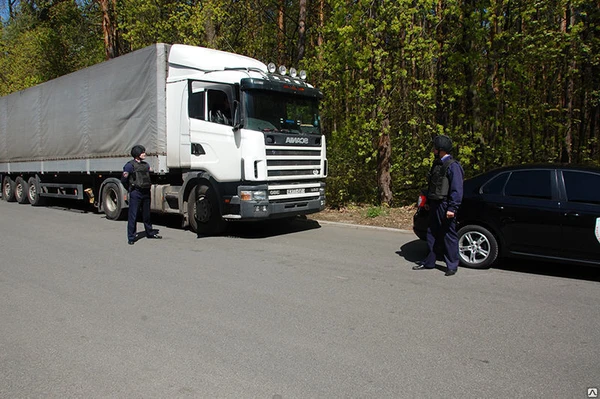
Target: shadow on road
[(270, 228), (247, 230), (413, 251), (416, 250), (551, 269)]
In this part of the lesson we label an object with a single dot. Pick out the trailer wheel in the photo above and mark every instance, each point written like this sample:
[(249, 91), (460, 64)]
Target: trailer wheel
[(34, 191), (112, 204), (203, 212), (8, 189), (21, 188)]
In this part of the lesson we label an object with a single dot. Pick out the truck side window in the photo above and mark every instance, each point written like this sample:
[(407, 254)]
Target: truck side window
[(219, 110), (196, 105)]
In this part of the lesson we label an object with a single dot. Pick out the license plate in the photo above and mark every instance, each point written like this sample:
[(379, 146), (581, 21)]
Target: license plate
[(295, 191)]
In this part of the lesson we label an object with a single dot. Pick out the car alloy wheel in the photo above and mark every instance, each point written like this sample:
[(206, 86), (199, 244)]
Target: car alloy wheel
[(477, 247)]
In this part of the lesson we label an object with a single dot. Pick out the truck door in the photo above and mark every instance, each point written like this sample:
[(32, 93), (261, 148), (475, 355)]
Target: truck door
[(214, 145)]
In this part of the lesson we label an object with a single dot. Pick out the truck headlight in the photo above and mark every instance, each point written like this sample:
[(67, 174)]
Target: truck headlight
[(260, 195)]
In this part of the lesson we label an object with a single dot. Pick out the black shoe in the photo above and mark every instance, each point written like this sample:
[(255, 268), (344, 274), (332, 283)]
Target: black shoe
[(155, 236), (450, 272), (422, 267), (131, 242)]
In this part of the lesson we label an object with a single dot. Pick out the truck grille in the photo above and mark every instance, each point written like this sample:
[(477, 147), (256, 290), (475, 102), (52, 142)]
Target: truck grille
[(300, 164)]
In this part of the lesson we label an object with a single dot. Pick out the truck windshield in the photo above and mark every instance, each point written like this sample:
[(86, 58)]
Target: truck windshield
[(281, 112)]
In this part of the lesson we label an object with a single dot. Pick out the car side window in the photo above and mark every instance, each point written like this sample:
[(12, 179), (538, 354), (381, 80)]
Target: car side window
[(582, 187), (496, 185), (529, 183)]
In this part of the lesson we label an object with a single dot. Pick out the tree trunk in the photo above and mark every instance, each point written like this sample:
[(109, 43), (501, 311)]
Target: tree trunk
[(301, 30), (281, 32), (209, 28), (321, 23), (384, 156), (441, 112), (382, 115), (11, 8), (567, 154), (109, 27)]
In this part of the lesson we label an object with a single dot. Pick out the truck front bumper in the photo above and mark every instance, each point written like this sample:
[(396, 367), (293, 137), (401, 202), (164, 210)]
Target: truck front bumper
[(254, 204)]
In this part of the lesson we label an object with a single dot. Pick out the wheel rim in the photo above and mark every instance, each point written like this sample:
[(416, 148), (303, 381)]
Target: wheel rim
[(203, 210), (19, 191), (111, 201), (6, 189), (32, 192), (474, 247)]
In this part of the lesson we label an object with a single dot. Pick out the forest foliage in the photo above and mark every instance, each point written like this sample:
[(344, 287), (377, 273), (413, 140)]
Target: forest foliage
[(511, 81)]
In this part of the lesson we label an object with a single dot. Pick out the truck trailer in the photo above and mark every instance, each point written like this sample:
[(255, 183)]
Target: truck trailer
[(227, 137)]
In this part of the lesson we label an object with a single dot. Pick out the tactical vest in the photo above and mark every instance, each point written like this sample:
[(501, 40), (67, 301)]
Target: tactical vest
[(439, 184), (140, 178)]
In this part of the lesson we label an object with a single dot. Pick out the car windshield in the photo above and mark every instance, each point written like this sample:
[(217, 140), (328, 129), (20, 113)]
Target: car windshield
[(281, 112)]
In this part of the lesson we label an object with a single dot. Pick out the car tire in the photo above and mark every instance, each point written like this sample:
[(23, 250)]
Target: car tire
[(477, 247)]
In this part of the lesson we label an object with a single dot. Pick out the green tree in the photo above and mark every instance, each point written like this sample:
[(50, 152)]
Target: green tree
[(44, 40)]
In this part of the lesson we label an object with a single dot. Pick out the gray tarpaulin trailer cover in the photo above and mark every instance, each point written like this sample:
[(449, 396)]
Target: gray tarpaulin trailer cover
[(97, 113)]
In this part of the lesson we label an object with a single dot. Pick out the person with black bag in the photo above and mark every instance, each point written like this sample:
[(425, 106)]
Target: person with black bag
[(136, 178), (444, 197)]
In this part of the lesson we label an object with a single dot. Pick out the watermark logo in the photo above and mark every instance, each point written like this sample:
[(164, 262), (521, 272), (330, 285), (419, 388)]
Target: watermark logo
[(592, 392)]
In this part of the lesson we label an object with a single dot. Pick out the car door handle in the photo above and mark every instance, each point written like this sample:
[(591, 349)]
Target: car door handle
[(571, 214), (499, 207)]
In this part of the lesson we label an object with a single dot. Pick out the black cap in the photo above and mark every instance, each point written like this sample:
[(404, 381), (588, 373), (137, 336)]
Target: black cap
[(442, 143), (137, 150)]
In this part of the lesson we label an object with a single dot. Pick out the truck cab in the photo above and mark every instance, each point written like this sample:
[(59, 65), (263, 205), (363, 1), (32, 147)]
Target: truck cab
[(247, 139)]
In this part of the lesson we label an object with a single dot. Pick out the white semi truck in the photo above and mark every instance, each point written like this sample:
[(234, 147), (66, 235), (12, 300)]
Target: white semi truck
[(227, 137)]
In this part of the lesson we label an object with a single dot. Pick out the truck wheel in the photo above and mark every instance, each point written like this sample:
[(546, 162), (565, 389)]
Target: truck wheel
[(33, 192), (477, 247), (21, 188), (112, 203), (203, 212), (8, 189)]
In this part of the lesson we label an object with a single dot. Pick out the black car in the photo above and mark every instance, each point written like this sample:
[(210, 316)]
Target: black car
[(549, 212)]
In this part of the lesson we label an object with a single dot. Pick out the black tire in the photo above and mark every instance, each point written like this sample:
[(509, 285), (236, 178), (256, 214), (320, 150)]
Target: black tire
[(477, 247), (34, 191), (112, 203), (8, 189), (21, 188), (203, 212)]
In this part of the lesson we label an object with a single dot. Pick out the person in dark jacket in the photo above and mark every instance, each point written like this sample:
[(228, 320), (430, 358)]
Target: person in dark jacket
[(444, 196), (136, 178)]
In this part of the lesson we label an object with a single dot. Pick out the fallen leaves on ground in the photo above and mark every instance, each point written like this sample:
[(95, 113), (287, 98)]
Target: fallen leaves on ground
[(397, 218)]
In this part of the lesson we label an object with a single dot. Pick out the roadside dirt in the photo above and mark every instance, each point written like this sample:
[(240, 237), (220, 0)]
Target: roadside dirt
[(397, 218)]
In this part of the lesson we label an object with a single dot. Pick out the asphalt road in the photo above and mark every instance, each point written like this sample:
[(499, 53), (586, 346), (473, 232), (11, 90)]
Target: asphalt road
[(313, 310)]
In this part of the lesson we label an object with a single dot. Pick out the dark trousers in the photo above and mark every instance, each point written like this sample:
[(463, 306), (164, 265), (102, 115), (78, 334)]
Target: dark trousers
[(138, 199), (441, 232)]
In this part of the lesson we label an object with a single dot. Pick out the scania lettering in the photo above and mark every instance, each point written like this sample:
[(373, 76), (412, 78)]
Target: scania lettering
[(227, 137)]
